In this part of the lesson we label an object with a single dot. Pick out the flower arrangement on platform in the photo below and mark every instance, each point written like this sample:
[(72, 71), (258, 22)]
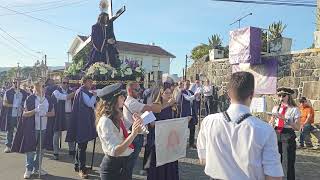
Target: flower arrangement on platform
[(74, 70), (129, 70)]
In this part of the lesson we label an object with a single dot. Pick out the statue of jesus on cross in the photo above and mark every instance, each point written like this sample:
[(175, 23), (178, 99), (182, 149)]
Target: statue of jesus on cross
[(103, 38)]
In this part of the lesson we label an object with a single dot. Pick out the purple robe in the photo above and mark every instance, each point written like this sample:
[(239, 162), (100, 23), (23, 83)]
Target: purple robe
[(188, 109), (7, 111), (25, 138), (102, 52), (169, 171), (48, 142), (60, 123), (82, 125)]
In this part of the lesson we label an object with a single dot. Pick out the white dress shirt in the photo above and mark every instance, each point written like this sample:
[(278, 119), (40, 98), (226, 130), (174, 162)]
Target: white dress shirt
[(110, 137), (135, 107), (89, 101), (292, 114), (245, 151), (207, 90), (16, 104), (40, 116), (63, 97)]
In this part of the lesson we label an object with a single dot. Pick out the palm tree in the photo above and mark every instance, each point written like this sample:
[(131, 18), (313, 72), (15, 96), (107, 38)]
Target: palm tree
[(276, 29), (215, 41)]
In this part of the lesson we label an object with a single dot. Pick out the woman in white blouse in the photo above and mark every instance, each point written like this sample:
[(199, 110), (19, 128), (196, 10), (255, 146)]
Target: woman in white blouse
[(286, 118), (116, 143)]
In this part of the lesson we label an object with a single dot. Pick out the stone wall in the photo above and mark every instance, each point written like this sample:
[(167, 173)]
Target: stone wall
[(299, 70)]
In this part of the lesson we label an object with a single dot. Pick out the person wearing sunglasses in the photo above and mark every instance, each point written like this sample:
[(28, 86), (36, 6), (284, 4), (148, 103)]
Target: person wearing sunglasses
[(131, 106), (286, 120), (11, 111), (63, 97)]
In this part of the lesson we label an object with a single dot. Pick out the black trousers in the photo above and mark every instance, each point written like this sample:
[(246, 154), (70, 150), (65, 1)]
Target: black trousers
[(114, 168), (208, 101), (291, 152), (192, 134), (80, 157)]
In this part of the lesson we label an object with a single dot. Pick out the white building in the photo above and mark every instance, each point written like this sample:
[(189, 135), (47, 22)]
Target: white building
[(151, 57)]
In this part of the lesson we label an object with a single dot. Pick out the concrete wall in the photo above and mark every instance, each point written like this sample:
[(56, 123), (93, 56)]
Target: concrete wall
[(299, 70)]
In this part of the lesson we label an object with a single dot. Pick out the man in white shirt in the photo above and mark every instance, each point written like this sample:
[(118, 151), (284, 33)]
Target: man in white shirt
[(208, 97), (131, 106), (13, 100), (63, 107), (236, 145)]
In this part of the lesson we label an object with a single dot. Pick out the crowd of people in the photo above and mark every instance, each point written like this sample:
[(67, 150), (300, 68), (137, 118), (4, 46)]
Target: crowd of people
[(231, 144)]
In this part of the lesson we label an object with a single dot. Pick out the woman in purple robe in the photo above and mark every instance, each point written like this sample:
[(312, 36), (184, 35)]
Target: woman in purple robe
[(169, 171)]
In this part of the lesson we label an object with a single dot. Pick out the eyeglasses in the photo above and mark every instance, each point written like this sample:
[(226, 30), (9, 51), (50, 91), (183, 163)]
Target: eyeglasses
[(14, 82), (282, 95), (65, 82)]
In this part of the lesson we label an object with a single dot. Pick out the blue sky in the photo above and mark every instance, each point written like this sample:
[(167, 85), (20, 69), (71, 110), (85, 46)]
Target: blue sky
[(175, 25)]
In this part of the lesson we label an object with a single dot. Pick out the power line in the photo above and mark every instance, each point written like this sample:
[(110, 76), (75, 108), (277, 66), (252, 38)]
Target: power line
[(1, 29), (269, 2), (17, 49), (41, 20), (39, 4), (48, 8)]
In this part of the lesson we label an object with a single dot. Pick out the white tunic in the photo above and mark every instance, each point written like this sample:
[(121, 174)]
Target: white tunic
[(245, 151), (110, 137)]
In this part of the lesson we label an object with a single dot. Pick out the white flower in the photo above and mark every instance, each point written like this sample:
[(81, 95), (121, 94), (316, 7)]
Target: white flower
[(138, 69), (113, 73), (103, 71), (122, 75), (128, 72)]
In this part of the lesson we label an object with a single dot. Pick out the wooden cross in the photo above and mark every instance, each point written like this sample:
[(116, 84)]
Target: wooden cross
[(110, 10)]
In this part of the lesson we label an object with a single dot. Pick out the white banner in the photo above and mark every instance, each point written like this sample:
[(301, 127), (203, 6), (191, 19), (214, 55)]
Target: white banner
[(171, 140)]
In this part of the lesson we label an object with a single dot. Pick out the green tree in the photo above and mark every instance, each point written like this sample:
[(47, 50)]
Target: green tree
[(276, 29), (200, 51)]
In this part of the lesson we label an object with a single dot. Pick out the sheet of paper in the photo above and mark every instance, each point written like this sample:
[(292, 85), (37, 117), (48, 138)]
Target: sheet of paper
[(148, 117)]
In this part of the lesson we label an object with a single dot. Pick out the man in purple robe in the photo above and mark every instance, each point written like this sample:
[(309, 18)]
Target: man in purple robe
[(82, 125), (63, 97), (103, 42), (188, 108), (13, 100), (37, 110)]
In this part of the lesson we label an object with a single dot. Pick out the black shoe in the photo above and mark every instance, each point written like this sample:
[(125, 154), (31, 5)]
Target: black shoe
[(72, 153), (56, 156), (76, 169)]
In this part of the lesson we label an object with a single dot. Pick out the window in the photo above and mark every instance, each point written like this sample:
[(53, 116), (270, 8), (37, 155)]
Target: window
[(156, 64)]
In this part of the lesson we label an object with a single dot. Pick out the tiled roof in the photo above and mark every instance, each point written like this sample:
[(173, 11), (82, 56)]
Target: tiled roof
[(135, 47), (83, 38)]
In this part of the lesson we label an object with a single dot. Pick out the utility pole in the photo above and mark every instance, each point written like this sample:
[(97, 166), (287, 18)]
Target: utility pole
[(186, 68)]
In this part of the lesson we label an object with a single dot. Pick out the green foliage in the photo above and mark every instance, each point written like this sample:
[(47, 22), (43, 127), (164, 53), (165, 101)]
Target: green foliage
[(199, 51), (276, 29), (215, 42)]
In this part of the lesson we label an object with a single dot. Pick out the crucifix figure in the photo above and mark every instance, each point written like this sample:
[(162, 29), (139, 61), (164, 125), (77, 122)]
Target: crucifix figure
[(103, 38)]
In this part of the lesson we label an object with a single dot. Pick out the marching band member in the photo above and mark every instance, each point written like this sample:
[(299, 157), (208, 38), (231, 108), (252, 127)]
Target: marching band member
[(37, 108), (13, 100), (132, 105), (287, 120), (82, 125), (115, 140)]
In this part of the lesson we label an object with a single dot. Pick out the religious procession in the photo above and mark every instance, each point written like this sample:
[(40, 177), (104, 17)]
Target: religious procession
[(120, 110)]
